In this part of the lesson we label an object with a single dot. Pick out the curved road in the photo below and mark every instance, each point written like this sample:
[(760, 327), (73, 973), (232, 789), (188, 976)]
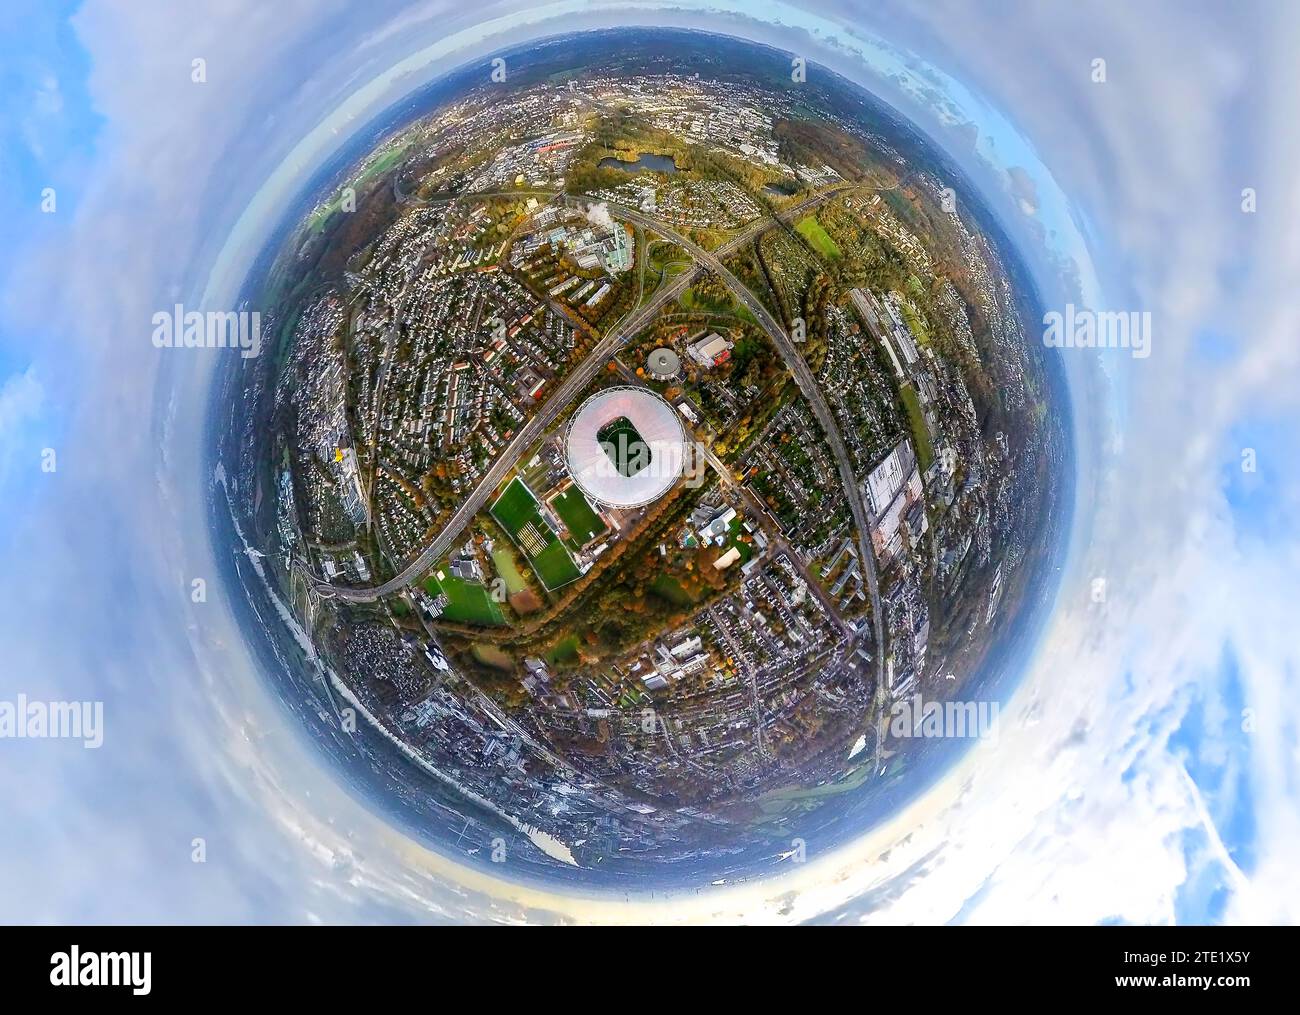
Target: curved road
[(803, 376), (563, 394), (578, 378)]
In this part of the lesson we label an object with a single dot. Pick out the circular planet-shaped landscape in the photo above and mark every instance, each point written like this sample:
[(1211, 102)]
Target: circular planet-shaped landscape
[(649, 468)]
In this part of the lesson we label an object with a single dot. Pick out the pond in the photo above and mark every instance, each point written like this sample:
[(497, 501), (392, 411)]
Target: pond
[(648, 162)]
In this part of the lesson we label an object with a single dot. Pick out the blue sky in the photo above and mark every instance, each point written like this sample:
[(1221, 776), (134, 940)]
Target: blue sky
[(47, 138)]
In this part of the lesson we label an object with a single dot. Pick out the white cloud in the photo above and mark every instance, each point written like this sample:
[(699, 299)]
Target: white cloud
[(1081, 815), (21, 400)]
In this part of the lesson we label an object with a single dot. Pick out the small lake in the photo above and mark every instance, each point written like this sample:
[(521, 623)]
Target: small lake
[(646, 163)]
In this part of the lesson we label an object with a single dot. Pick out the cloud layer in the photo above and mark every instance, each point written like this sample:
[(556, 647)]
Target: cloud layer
[(1147, 772)]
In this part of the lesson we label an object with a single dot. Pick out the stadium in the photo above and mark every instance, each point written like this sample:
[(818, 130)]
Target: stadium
[(625, 447)]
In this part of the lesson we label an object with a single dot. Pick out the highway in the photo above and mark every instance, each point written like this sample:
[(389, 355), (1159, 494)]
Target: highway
[(581, 375), (803, 376), (563, 394)]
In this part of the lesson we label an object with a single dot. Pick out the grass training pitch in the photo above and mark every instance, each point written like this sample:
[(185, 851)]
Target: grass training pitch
[(578, 517), (517, 512), (467, 602)]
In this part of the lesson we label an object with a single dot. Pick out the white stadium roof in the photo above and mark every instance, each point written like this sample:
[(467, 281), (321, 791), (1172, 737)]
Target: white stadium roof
[(596, 473)]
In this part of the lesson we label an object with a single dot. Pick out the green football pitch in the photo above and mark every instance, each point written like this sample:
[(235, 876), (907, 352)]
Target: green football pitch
[(577, 515), (626, 448), (515, 508), (467, 602), (516, 511)]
